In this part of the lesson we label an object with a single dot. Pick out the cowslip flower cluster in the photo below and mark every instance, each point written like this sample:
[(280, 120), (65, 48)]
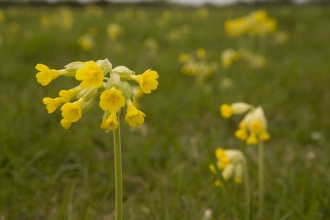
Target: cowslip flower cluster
[(256, 23), (253, 127), (255, 60), (195, 65), (231, 163), (115, 91)]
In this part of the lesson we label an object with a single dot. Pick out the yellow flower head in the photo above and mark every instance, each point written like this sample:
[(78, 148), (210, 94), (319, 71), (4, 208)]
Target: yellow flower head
[(148, 81), (252, 139), (134, 117), (90, 75), (52, 104), (72, 111), (46, 75), (111, 100), (65, 123)]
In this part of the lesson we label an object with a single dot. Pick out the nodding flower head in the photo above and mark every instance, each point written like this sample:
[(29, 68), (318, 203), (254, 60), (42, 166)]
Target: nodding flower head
[(229, 163), (253, 127), (115, 91)]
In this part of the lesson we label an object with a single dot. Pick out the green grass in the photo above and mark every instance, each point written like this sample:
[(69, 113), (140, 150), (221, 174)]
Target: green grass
[(47, 172)]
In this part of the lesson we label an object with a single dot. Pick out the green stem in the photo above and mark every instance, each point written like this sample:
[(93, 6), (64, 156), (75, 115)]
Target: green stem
[(118, 172), (247, 190), (261, 178)]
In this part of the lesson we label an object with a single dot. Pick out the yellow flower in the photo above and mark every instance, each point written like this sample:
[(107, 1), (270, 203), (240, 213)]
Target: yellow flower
[(52, 104), (226, 110), (111, 123), (111, 100), (67, 95), (90, 75), (134, 117), (242, 132), (72, 111), (46, 75), (65, 123), (148, 81)]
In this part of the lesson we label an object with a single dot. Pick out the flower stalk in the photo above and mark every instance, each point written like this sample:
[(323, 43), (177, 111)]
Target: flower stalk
[(118, 172), (260, 179)]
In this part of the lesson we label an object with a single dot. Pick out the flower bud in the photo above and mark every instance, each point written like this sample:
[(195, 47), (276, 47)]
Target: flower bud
[(105, 65), (123, 72)]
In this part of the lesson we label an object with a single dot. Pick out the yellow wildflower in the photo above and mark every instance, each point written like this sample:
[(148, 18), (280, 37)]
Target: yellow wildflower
[(111, 100), (90, 75), (46, 75), (111, 123), (235, 108), (134, 117), (52, 104), (148, 80), (72, 111)]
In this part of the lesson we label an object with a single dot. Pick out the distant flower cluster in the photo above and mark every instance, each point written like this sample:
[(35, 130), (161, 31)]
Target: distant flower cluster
[(256, 23), (253, 127), (196, 65)]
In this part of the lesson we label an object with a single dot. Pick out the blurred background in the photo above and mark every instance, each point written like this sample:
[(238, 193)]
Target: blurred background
[(47, 172)]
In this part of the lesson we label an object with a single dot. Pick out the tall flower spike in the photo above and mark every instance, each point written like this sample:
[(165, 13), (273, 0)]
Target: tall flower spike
[(148, 80), (90, 75), (111, 100), (46, 75)]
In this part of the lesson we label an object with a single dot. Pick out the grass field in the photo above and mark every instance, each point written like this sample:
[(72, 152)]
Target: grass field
[(47, 172)]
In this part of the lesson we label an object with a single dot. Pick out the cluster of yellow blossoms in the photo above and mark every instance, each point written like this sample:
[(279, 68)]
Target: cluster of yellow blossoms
[(197, 66), (115, 91), (229, 56), (253, 127), (230, 162), (256, 23)]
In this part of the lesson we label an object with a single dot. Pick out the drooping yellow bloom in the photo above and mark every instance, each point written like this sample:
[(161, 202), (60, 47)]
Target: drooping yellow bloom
[(90, 75), (148, 81), (235, 108), (226, 111), (46, 75), (134, 117), (111, 100), (67, 95), (65, 123), (111, 123), (52, 104), (72, 111), (242, 132)]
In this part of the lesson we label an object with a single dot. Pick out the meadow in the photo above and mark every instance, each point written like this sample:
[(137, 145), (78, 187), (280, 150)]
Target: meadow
[(47, 172)]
